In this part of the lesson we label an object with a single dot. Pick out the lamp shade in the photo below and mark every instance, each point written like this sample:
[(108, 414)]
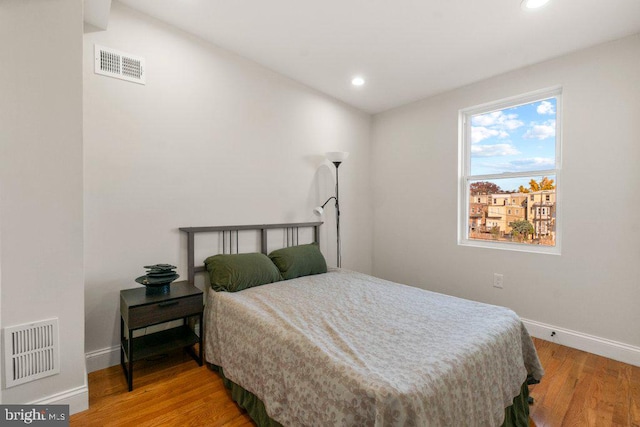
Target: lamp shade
[(337, 156), (318, 211)]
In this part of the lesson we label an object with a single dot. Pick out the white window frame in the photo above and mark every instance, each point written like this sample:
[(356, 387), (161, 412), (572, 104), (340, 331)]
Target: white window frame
[(464, 177)]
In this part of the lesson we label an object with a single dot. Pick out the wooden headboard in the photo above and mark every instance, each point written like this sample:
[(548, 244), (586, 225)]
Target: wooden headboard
[(229, 231)]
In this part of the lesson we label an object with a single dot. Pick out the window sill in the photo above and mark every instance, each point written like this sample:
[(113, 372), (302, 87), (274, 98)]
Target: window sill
[(517, 247)]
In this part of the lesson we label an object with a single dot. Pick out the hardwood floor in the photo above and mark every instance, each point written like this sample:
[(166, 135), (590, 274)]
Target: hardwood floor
[(578, 389), (582, 389), (170, 391)]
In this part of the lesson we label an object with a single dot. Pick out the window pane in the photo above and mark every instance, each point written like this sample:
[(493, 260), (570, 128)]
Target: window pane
[(517, 210), (515, 139)]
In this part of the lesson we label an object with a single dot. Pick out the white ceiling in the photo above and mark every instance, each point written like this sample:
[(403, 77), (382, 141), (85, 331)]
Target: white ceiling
[(405, 49)]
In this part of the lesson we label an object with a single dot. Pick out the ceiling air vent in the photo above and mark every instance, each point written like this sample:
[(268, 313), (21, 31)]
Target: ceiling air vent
[(113, 63), (31, 352)]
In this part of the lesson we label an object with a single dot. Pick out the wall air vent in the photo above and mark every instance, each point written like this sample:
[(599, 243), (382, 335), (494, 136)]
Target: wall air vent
[(31, 352), (113, 63)]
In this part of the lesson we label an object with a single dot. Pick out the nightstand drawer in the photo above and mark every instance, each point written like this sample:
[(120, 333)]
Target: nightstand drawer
[(145, 315)]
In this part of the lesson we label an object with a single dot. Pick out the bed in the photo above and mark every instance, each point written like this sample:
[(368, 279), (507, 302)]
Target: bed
[(341, 348)]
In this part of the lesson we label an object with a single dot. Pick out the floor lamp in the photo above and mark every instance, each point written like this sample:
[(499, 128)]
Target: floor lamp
[(335, 157)]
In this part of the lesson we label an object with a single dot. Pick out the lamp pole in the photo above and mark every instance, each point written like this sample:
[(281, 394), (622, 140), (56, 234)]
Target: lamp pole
[(339, 256), (335, 157)]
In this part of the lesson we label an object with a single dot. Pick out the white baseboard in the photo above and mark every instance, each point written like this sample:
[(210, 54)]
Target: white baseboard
[(601, 346), (102, 359), (77, 398)]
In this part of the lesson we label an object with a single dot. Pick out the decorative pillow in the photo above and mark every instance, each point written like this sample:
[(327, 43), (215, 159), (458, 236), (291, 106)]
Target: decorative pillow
[(236, 272), (298, 261)]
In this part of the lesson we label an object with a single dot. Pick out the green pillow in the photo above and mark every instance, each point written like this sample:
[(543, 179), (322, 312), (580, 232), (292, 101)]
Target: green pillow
[(236, 272), (298, 261)]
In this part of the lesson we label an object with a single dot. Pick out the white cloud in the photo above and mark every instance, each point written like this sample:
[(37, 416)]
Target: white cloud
[(497, 120), (545, 107), (493, 150), (534, 163), (520, 165), (488, 119), (541, 130), (512, 124), (479, 133), (494, 124)]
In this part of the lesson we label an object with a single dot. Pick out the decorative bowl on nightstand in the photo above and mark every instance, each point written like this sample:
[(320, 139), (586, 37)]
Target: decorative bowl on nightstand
[(158, 278)]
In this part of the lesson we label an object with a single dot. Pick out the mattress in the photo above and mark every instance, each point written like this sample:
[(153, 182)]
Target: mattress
[(345, 349)]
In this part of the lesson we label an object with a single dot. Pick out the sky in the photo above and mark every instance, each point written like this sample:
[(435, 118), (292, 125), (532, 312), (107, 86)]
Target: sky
[(516, 139)]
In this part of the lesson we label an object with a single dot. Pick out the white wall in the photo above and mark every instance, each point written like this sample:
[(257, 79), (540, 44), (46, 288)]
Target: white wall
[(593, 287), (211, 139), (41, 217)]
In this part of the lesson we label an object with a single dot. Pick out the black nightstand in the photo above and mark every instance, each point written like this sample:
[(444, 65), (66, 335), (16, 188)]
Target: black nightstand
[(139, 310)]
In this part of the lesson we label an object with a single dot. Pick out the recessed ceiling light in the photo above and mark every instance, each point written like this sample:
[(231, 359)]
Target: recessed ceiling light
[(533, 4), (357, 81)]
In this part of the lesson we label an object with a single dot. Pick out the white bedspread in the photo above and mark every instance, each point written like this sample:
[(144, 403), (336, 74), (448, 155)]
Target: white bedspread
[(347, 349)]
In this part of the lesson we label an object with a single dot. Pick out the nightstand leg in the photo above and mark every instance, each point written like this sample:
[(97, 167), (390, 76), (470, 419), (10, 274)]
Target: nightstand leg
[(121, 341), (130, 361), (201, 343)]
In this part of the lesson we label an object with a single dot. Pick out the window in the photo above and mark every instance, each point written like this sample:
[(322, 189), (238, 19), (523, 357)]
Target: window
[(510, 151)]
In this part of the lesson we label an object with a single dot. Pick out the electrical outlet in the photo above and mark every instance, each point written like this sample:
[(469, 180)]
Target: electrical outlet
[(498, 280)]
